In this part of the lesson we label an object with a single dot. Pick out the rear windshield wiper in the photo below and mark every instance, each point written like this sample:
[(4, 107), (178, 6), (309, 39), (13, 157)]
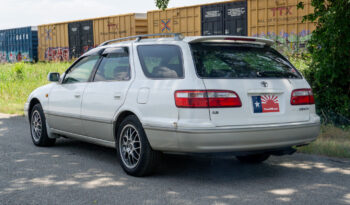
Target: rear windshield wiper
[(276, 74)]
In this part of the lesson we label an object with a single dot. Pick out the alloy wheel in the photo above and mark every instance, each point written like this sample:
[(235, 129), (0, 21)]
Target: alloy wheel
[(130, 146), (36, 125)]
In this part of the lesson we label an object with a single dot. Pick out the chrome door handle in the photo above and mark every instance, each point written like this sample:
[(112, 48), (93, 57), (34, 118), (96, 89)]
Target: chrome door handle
[(77, 95), (117, 96)]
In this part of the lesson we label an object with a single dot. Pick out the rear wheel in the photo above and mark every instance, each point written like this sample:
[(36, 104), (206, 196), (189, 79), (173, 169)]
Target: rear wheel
[(134, 151), (253, 159), (38, 128)]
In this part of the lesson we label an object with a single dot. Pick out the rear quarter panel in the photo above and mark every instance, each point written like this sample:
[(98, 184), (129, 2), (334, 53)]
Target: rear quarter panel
[(153, 99)]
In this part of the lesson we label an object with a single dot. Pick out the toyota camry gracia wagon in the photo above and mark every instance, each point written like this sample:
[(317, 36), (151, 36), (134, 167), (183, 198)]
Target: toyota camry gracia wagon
[(205, 94)]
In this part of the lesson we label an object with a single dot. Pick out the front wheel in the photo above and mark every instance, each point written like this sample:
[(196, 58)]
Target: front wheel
[(253, 159), (38, 128), (134, 151)]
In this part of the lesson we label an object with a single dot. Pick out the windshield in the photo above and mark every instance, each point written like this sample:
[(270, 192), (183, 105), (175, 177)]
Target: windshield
[(227, 60)]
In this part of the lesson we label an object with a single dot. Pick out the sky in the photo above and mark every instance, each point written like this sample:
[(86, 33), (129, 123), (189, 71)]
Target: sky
[(19, 13)]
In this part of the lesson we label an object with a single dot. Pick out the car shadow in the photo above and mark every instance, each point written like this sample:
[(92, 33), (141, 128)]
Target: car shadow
[(74, 172)]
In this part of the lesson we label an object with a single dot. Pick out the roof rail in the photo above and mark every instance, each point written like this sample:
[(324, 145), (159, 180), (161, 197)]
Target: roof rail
[(177, 36)]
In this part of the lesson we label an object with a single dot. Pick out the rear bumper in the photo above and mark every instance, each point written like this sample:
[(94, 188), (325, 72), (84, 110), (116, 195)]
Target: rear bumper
[(233, 139)]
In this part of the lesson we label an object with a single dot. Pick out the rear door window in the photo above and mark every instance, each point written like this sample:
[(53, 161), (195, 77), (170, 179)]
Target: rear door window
[(161, 61), (220, 60), (114, 67)]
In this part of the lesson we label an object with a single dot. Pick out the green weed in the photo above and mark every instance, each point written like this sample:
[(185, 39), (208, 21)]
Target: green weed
[(332, 141), (18, 80)]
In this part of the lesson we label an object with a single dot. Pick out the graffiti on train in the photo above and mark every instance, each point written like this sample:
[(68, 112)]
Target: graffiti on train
[(14, 56), (293, 41), (57, 54), (3, 57)]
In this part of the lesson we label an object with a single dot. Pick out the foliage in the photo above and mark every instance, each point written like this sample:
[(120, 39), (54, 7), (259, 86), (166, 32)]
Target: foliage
[(332, 141), (18, 70), (162, 4), (329, 47), (300, 61), (18, 80)]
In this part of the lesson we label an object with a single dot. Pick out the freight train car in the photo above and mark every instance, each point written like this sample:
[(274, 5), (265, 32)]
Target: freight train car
[(279, 20), (223, 18), (18, 44), (68, 40)]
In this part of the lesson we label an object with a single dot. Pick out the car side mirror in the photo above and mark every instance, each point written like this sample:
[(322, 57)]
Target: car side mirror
[(53, 77)]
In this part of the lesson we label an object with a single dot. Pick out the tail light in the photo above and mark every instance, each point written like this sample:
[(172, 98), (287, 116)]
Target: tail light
[(302, 97), (206, 99)]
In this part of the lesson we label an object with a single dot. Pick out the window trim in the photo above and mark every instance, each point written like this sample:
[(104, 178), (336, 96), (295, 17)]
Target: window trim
[(181, 56), (92, 77), (268, 78), (76, 62)]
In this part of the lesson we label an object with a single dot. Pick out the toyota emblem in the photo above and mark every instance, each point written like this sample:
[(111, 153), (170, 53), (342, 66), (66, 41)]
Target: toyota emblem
[(264, 84)]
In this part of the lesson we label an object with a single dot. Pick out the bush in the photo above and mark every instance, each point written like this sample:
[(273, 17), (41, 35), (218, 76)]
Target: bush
[(18, 70), (329, 48)]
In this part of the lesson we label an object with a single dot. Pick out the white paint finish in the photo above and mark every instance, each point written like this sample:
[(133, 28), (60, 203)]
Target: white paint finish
[(230, 39), (99, 103), (97, 141), (142, 97), (246, 88), (160, 108), (162, 140), (40, 94), (235, 139), (65, 100), (199, 118), (99, 130)]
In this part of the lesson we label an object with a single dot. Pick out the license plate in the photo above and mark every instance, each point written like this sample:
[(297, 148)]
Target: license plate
[(265, 103)]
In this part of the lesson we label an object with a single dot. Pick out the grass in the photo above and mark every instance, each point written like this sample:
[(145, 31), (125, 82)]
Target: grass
[(18, 80), (333, 142)]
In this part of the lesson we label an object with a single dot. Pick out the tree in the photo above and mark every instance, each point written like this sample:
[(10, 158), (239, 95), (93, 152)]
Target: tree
[(162, 4), (329, 47)]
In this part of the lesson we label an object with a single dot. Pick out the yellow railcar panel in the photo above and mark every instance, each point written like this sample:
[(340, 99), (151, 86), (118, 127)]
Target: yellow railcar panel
[(53, 42), (54, 39), (280, 20), (185, 20), (117, 27)]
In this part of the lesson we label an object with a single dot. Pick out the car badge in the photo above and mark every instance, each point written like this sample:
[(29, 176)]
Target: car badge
[(264, 84)]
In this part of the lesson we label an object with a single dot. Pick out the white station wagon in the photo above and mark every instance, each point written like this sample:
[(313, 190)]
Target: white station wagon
[(205, 94)]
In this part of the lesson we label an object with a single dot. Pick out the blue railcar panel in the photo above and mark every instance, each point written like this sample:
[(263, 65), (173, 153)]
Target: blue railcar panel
[(19, 44), (3, 47)]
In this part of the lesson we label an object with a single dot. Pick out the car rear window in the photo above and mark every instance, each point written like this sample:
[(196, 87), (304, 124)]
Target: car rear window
[(161, 61), (223, 60)]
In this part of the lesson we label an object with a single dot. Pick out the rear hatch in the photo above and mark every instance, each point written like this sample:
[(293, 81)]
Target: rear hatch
[(262, 78)]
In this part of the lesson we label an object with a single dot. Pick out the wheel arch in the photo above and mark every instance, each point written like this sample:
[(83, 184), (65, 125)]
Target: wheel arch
[(33, 102), (120, 117)]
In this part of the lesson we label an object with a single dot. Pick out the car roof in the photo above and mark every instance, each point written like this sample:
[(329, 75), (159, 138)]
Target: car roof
[(191, 39), (235, 39)]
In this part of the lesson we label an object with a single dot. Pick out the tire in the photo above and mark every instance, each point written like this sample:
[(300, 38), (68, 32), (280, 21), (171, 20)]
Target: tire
[(253, 159), (133, 149), (38, 129)]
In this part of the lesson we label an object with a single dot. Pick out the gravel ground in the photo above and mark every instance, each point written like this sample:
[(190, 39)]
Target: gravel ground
[(74, 172)]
